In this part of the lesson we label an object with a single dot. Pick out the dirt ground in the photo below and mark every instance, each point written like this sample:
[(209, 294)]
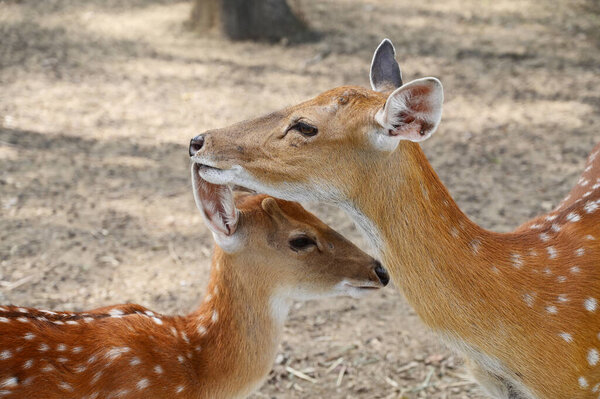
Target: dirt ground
[(98, 100)]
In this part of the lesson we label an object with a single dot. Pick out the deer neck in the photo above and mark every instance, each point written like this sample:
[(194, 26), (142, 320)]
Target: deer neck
[(434, 253), (237, 328)]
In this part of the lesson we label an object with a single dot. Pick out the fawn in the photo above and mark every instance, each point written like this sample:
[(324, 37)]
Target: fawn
[(522, 307), (269, 252)]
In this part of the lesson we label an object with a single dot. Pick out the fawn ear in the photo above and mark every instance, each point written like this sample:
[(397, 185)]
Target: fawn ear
[(216, 204), (385, 72), (270, 206), (413, 111)]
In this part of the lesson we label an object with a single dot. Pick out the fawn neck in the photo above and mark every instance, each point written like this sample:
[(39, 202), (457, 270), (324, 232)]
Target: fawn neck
[(238, 327)]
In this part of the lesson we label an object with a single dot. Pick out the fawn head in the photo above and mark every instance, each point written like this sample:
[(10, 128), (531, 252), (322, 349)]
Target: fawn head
[(284, 245), (316, 150)]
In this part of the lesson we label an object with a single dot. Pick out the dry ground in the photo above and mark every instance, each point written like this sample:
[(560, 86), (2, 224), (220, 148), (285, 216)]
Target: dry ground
[(98, 100)]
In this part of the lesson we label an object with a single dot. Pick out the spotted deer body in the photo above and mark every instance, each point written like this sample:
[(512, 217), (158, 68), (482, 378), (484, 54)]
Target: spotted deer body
[(521, 307), (224, 349)]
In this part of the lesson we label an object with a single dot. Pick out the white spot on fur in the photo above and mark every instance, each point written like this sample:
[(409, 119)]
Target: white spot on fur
[(583, 382), (566, 336), (47, 368), (61, 347), (551, 309), (517, 261), (551, 252), (157, 321), (561, 279), (158, 369), (562, 298), (590, 304), (135, 361), (475, 244), (80, 369), (575, 270), (77, 349), (4, 320), (580, 252), (544, 237), (180, 359), (9, 382), (142, 384), (593, 357), (573, 217), (29, 336), (5, 354), (63, 385), (43, 347), (529, 299), (201, 330), (23, 319), (116, 352), (179, 389), (215, 316)]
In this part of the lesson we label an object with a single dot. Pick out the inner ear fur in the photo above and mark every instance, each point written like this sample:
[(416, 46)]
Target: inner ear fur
[(413, 111)]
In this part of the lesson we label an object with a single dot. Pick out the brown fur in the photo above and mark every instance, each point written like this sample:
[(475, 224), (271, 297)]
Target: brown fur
[(224, 349), (474, 287)]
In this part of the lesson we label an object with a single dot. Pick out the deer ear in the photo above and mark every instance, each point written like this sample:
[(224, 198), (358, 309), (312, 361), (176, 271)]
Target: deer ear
[(385, 72), (217, 206), (270, 206), (413, 111)]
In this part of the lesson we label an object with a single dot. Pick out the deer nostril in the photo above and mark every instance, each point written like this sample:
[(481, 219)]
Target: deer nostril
[(196, 144), (381, 273)]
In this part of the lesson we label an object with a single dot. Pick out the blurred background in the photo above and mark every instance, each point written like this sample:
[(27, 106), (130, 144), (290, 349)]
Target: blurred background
[(99, 98)]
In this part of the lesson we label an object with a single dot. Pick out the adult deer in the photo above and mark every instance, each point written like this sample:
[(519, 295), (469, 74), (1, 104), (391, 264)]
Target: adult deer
[(521, 307), (269, 253)]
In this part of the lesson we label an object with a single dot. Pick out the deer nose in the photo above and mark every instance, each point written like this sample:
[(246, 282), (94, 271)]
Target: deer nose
[(196, 144), (381, 273)]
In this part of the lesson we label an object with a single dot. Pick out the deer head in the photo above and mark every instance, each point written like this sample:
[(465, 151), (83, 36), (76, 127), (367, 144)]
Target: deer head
[(290, 250), (296, 153)]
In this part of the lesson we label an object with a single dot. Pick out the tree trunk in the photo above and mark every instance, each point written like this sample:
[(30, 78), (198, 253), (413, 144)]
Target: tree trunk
[(269, 20)]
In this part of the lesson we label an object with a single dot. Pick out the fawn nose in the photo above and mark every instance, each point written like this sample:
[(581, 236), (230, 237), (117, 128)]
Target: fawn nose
[(196, 144), (381, 273)]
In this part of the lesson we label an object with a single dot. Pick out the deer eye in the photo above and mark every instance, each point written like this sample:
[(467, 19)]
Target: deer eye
[(304, 129), (301, 242)]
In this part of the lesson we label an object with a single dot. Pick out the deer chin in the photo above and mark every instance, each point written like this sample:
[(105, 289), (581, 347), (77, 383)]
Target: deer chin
[(216, 175), (356, 289)]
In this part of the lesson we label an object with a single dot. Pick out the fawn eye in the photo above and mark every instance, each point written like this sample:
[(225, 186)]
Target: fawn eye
[(304, 129), (301, 242)]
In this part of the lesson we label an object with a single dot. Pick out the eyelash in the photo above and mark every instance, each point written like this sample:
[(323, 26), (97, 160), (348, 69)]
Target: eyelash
[(304, 129)]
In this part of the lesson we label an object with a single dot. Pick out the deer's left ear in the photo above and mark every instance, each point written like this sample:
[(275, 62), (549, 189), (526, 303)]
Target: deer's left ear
[(385, 73), (413, 111)]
